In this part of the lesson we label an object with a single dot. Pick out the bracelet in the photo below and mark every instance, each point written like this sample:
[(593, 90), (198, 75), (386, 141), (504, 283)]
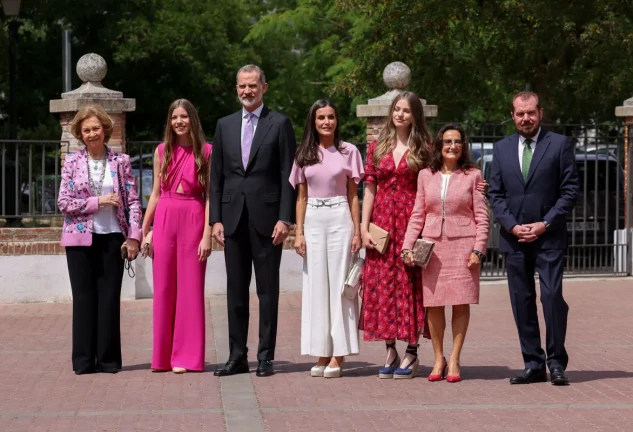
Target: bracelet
[(479, 254), (405, 252)]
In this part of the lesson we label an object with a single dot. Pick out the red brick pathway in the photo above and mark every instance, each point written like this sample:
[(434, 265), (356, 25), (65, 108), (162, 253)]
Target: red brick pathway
[(39, 392)]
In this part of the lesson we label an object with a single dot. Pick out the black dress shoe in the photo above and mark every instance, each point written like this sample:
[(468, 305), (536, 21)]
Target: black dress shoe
[(232, 367), (558, 376), (265, 368), (529, 376)]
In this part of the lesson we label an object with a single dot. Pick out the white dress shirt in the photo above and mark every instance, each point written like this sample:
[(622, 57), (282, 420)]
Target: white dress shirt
[(257, 114), (522, 146), (255, 120)]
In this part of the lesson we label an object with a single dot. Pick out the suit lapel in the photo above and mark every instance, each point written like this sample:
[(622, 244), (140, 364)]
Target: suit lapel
[(539, 151), (113, 169), (84, 178), (235, 130), (513, 143), (263, 126)]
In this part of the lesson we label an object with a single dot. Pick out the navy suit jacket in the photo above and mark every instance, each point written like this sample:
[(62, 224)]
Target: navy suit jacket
[(262, 186), (549, 194)]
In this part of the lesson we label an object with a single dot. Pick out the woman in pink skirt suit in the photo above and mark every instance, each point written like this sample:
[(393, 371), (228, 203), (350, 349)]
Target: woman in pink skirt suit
[(452, 213), (180, 241)]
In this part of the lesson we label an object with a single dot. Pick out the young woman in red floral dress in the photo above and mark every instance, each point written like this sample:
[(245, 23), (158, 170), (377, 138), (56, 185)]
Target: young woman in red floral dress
[(392, 292)]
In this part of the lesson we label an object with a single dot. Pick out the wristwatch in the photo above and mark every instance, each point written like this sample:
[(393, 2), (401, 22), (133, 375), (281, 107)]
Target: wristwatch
[(479, 254), (547, 225)]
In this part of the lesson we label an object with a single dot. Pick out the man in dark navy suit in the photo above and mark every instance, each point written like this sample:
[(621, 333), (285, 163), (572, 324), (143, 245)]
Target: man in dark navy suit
[(252, 207), (533, 186)]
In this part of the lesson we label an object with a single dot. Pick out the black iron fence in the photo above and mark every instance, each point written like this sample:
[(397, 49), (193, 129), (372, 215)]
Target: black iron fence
[(29, 180), (598, 227)]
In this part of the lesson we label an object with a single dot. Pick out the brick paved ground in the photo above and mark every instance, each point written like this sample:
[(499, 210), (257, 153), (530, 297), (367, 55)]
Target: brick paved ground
[(39, 392)]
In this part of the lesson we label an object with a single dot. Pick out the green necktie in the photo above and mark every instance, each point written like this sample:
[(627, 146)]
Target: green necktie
[(527, 158)]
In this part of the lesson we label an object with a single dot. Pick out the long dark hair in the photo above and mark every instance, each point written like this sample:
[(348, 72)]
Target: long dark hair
[(419, 135), (196, 135), (465, 162), (308, 150)]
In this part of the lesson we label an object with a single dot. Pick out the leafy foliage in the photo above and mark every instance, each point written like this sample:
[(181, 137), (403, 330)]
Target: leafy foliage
[(467, 56)]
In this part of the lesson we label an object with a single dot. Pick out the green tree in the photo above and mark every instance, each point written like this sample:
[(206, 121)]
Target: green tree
[(470, 56), (299, 45)]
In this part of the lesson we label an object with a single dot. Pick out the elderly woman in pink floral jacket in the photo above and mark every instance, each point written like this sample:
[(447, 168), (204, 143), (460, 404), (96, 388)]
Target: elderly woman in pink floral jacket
[(102, 227)]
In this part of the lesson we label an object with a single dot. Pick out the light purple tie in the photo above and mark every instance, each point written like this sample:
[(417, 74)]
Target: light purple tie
[(247, 139)]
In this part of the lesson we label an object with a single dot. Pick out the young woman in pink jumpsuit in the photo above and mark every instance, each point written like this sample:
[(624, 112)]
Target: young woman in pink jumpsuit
[(180, 241)]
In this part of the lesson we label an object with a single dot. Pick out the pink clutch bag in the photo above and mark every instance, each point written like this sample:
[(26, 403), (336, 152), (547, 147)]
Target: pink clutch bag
[(422, 250)]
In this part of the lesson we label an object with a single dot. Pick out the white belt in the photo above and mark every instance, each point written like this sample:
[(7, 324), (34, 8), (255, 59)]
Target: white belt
[(327, 202)]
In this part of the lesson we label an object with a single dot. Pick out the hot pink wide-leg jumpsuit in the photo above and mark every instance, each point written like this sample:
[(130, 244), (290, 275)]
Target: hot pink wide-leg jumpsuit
[(178, 274)]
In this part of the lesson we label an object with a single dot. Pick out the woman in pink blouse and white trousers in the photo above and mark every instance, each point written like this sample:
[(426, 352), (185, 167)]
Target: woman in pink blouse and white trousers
[(452, 213), (327, 172)]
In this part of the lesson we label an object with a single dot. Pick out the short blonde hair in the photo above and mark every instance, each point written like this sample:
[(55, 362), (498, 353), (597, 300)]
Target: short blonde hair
[(92, 111)]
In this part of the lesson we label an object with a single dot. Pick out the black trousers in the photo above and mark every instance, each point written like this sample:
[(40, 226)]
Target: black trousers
[(96, 274), (244, 249), (550, 264)]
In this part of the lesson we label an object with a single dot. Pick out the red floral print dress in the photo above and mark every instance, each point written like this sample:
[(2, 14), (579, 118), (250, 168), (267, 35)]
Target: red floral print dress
[(392, 292)]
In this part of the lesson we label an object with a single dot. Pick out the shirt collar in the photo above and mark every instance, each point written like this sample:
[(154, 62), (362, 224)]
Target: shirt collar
[(257, 112), (534, 138)]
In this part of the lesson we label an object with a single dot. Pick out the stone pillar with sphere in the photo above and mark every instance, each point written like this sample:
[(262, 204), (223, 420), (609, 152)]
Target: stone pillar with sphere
[(92, 69), (396, 76)]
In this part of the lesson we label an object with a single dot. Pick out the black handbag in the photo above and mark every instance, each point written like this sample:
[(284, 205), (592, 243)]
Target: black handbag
[(126, 211)]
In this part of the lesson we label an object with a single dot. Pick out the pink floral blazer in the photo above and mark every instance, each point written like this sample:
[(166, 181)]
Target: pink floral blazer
[(79, 205)]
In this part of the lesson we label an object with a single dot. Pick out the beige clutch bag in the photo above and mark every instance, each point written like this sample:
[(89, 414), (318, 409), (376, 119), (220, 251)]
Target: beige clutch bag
[(380, 236), (422, 250)]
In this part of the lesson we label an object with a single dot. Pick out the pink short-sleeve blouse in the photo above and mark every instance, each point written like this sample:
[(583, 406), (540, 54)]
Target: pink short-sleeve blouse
[(328, 178)]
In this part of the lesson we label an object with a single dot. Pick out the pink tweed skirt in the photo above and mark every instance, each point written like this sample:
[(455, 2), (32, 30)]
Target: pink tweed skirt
[(447, 280)]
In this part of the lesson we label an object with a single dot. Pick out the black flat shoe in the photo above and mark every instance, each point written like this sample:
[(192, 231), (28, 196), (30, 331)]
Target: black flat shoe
[(558, 376), (265, 368), (232, 367), (529, 376)]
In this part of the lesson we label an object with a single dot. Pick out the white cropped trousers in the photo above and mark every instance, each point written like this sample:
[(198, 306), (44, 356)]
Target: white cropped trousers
[(329, 321)]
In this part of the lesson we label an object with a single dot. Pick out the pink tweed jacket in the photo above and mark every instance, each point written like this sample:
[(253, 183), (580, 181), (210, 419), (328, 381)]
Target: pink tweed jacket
[(465, 209), (78, 204)]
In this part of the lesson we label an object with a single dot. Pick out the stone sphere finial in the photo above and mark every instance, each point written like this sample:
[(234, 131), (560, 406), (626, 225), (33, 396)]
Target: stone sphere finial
[(92, 68), (396, 75)]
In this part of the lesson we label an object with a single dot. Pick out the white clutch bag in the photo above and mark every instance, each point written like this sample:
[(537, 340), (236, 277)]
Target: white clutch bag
[(352, 281)]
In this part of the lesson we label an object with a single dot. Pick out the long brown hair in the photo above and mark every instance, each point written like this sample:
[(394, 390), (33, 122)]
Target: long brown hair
[(465, 161), (419, 136), (308, 149), (197, 141)]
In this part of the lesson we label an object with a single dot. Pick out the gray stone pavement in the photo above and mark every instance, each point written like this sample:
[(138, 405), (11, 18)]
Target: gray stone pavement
[(39, 392)]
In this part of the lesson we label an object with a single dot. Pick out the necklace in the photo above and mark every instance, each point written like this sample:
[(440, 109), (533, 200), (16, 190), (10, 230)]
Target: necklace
[(96, 188)]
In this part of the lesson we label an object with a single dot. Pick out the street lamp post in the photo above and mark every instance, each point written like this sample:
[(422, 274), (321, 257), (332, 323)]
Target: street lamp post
[(11, 9)]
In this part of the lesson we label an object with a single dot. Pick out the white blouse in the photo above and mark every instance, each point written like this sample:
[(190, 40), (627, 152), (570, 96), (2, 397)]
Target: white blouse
[(445, 179), (105, 220)]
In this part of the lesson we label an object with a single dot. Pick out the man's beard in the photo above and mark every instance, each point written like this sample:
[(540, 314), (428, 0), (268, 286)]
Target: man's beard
[(248, 101), (529, 131)]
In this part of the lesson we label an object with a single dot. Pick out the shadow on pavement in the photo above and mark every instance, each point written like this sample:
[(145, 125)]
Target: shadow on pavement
[(352, 368), (140, 366), (591, 375)]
